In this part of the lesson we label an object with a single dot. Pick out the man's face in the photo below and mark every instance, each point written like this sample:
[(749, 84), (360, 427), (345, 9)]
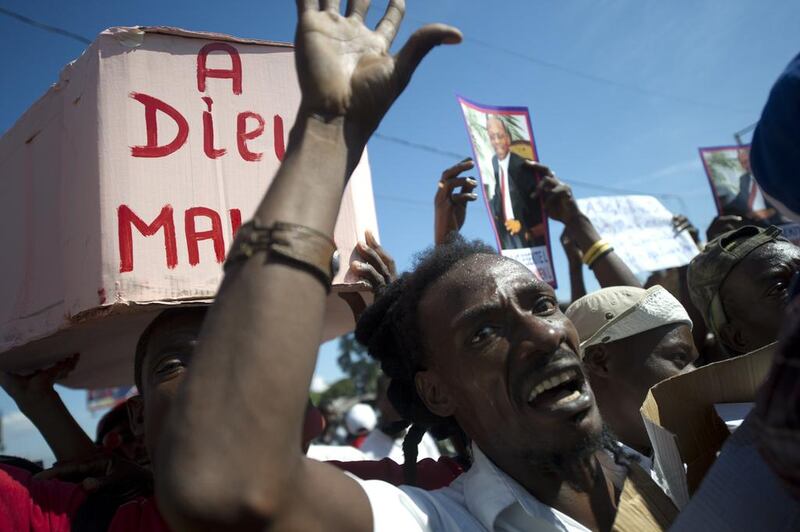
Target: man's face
[(755, 295), (506, 355), (169, 352), (636, 364), (498, 137), (744, 159)]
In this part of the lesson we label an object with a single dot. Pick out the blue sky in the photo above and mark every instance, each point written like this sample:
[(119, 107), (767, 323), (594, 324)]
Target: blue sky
[(621, 94)]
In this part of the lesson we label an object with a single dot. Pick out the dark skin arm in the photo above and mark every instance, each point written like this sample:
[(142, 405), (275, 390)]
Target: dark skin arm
[(450, 203), (574, 258), (561, 206), (248, 386), (38, 400)]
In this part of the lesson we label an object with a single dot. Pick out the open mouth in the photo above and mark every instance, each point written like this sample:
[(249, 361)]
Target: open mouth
[(562, 389)]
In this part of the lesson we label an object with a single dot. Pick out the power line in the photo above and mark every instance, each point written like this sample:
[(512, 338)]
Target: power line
[(43, 26)]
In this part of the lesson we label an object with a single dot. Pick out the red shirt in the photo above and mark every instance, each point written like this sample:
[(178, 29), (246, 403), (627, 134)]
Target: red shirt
[(49, 506)]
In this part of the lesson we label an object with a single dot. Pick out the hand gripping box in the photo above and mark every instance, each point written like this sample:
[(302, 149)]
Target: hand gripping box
[(122, 188)]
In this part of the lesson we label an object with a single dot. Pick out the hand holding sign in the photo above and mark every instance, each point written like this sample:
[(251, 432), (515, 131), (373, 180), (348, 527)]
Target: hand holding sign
[(345, 69), (451, 206), (558, 199)]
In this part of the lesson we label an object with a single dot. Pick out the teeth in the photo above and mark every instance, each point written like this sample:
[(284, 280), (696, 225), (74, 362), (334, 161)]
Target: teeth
[(552, 382), (568, 399)]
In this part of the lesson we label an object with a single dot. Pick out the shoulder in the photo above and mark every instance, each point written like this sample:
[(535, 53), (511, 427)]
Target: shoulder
[(30, 504), (415, 509)]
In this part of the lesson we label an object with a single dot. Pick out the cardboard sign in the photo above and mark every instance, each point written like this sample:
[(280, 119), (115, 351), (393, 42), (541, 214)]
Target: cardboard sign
[(502, 139), (125, 183), (640, 229), (681, 420)]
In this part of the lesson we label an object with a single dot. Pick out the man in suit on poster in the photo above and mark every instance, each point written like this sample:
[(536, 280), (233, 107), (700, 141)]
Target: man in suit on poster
[(518, 218)]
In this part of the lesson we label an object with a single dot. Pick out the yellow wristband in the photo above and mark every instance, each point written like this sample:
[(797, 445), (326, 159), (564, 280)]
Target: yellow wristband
[(593, 250), (605, 250)]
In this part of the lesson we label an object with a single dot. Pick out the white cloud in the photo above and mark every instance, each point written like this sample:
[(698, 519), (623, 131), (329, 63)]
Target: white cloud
[(318, 384), (16, 422)]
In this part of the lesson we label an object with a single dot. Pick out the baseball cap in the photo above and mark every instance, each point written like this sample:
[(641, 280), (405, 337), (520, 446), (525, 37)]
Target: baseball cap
[(360, 419), (711, 267), (618, 312)]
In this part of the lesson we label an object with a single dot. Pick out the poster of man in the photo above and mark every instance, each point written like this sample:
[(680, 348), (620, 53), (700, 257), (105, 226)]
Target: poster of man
[(502, 139), (732, 183)]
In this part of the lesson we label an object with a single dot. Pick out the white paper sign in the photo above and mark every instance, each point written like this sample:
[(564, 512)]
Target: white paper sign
[(641, 231)]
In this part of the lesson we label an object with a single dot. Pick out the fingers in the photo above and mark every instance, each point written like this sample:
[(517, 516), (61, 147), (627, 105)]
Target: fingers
[(357, 9), (453, 171), (305, 5), (463, 198), (390, 22), (330, 5), (370, 274), (418, 46), (387, 259), (539, 168), (375, 261), (463, 182)]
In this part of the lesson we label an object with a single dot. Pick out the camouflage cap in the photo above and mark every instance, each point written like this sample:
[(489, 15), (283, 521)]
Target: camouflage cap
[(711, 267)]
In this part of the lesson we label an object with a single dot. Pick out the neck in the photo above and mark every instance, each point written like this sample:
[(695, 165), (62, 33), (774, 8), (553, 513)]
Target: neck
[(578, 487)]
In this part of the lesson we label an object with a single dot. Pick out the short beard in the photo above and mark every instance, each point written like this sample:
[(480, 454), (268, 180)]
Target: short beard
[(570, 464)]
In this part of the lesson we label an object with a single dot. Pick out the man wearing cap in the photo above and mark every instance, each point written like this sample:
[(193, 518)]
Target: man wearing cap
[(631, 339), (740, 283)]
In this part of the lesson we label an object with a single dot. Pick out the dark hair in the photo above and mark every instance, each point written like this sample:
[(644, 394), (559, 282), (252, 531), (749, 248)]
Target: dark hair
[(164, 317), (389, 329), (116, 417)]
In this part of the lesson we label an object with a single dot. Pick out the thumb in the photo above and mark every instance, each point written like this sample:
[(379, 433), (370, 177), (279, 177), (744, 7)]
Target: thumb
[(417, 47)]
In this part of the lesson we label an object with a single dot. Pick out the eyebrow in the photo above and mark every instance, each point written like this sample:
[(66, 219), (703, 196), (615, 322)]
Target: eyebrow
[(475, 312)]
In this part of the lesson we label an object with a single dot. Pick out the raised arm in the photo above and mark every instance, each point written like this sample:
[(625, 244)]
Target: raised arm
[(230, 457), (39, 401), (609, 268)]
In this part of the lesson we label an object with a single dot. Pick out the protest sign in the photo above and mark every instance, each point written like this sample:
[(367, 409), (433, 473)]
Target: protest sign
[(108, 397), (732, 183), (125, 183), (640, 229), (502, 139)]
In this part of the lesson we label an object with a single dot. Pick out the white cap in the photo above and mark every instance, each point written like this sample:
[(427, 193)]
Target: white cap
[(360, 419), (618, 312)]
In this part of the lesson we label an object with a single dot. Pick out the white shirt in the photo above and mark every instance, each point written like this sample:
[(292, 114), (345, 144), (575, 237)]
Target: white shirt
[(482, 499), (340, 453), (379, 445), (502, 169)]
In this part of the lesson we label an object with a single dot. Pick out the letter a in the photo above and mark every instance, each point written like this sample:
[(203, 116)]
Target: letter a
[(235, 73)]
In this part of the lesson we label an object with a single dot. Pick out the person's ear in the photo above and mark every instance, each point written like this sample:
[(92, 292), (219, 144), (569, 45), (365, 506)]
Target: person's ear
[(135, 406), (596, 360), (434, 393), (733, 339)]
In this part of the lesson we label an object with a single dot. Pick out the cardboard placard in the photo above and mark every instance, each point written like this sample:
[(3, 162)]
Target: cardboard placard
[(683, 425), (125, 183), (641, 230)]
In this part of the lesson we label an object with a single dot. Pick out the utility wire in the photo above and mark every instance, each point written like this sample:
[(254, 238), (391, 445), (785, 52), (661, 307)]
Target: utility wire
[(43, 26)]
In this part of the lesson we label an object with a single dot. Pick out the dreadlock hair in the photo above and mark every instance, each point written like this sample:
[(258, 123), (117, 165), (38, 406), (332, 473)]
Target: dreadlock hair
[(389, 330)]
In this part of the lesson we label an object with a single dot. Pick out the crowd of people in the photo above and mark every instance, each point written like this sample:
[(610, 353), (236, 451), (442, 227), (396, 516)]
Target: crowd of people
[(538, 402)]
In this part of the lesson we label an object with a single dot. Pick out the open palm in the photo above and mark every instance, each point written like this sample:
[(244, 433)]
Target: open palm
[(345, 68)]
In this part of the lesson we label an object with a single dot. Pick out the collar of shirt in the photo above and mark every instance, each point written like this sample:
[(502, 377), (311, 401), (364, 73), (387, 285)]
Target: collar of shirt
[(489, 492), (503, 163)]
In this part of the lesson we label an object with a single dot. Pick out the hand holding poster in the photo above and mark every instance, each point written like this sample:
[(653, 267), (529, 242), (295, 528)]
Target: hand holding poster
[(502, 139), (732, 183), (640, 229)]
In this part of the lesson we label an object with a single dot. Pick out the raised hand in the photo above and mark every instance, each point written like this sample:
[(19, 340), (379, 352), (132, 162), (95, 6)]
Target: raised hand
[(30, 390), (450, 206), (377, 266), (345, 69), (558, 200)]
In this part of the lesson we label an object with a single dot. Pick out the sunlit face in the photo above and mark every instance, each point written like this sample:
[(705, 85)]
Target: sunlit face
[(636, 364), (498, 136), (507, 357), (755, 295)]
